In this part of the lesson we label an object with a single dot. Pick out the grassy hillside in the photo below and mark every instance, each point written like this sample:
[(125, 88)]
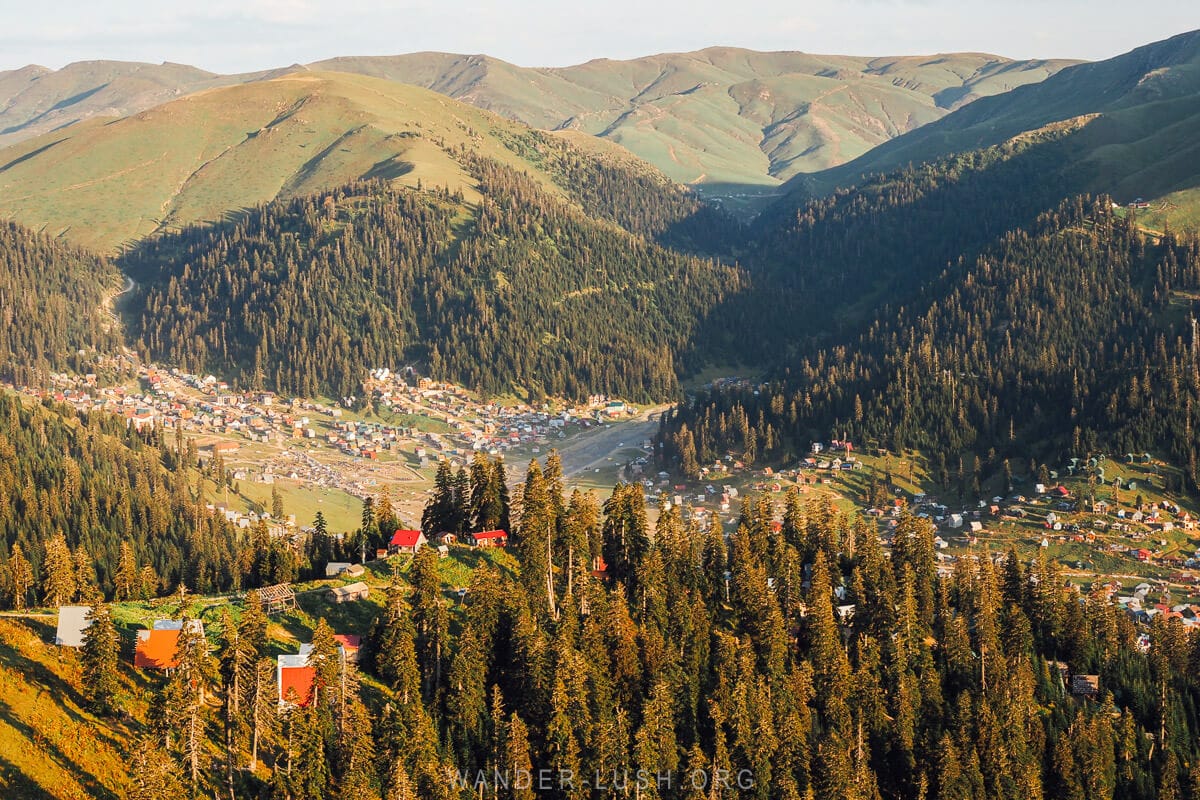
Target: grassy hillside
[(36, 100), (104, 184), (722, 115), (51, 746), (1135, 118), (714, 117)]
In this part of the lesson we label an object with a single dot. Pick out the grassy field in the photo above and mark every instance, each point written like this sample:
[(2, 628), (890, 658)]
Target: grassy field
[(721, 116)]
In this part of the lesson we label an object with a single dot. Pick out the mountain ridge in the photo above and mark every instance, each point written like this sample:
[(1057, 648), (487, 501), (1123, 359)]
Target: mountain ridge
[(712, 116), (105, 183), (1136, 110)]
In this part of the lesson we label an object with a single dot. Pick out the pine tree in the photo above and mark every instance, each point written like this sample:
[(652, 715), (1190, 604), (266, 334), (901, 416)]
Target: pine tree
[(356, 779), (461, 495), (277, 510), (518, 767), (396, 659), (398, 785), (148, 583), (86, 589), (58, 573), (184, 701), (100, 657), (430, 619), (441, 512), (19, 579), (325, 659), (500, 484), (310, 776), (487, 508), (126, 581), (385, 515), (153, 774), (236, 659)]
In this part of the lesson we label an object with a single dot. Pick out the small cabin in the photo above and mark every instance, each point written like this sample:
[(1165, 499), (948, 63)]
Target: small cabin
[(489, 539), (350, 593)]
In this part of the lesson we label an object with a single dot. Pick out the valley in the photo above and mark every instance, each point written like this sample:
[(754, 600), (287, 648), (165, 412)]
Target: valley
[(396, 427)]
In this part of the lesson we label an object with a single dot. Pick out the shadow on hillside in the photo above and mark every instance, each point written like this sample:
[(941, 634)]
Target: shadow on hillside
[(36, 673), (38, 740), (16, 783), (822, 268), (388, 169), (29, 155)]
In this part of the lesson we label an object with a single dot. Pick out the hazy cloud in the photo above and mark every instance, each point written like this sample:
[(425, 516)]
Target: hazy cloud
[(241, 35)]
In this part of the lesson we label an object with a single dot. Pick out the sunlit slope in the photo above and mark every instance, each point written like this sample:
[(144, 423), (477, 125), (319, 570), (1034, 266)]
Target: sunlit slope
[(105, 183), (1135, 116), (722, 115)]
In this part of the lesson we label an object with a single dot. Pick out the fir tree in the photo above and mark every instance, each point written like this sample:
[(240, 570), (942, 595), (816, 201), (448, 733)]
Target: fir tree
[(59, 578), (99, 658), (18, 579), (126, 582)]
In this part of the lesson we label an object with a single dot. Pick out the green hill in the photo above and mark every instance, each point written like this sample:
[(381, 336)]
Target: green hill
[(722, 115), (106, 183), (523, 291), (1133, 117)]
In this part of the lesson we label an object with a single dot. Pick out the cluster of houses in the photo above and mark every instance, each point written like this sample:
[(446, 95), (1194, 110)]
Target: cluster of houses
[(409, 541), (206, 405), (156, 649), (223, 417), (1148, 601), (247, 519), (488, 427)]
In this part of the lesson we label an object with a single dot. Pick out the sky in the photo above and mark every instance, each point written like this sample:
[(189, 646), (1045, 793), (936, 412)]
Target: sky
[(246, 35)]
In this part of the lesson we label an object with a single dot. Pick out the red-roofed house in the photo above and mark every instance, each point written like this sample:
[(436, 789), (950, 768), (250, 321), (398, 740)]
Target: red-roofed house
[(406, 542), (489, 539), (295, 678), (155, 649)]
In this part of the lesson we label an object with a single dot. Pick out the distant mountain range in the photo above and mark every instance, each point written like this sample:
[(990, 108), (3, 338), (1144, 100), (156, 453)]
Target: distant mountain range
[(1134, 121), (712, 117)]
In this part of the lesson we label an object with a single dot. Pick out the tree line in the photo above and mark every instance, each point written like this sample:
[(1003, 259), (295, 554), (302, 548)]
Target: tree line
[(798, 651)]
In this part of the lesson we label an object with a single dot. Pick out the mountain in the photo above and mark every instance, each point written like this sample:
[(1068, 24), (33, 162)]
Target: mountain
[(1133, 120), (35, 100), (957, 304), (722, 115), (1041, 346), (521, 292), (716, 116), (107, 183)]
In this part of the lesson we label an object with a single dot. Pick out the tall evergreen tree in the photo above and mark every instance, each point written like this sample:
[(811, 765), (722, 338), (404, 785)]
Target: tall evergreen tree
[(100, 659)]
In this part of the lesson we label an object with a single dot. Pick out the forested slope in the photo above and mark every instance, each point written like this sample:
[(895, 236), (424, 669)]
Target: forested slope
[(521, 291), (1066, 339), (52, 299)]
